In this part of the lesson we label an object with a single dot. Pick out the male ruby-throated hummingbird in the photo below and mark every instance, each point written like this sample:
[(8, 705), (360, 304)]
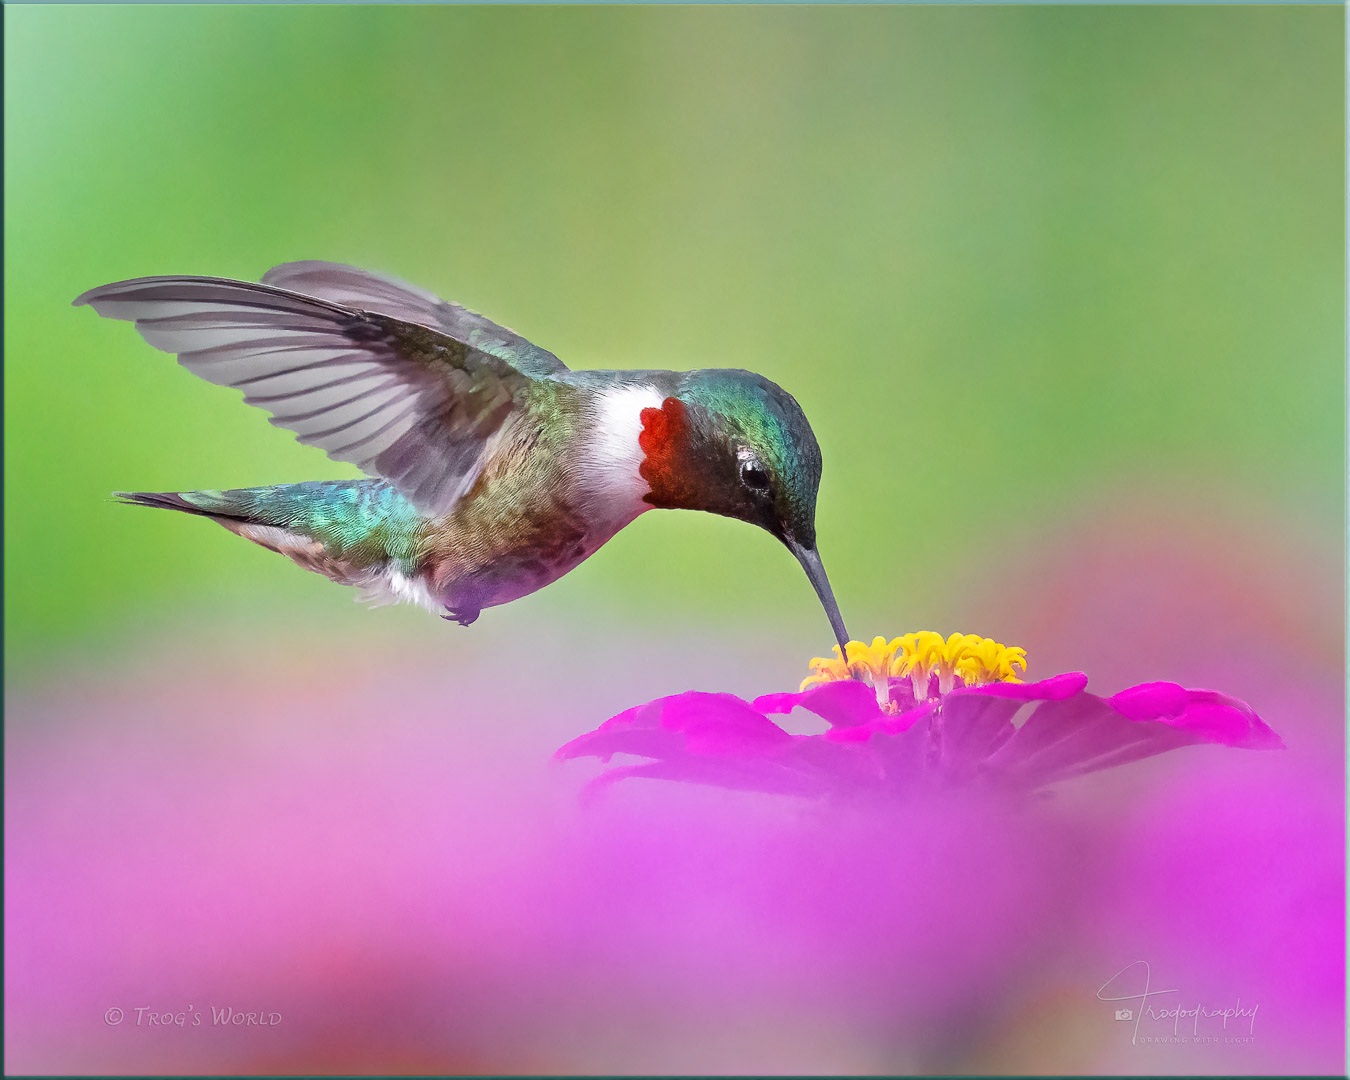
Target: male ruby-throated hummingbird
[(495, 468)]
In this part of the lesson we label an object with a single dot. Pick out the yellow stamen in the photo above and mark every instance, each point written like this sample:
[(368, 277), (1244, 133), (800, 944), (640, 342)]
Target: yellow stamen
[(969, 657)]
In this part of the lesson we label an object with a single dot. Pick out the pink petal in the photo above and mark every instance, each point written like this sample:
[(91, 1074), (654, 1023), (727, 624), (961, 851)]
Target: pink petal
[(634, 731), (1213, 716), (722, 724), (1055, 688), (1076, 735), (689, 723), (973, 726), (844, 703), (884, 724)]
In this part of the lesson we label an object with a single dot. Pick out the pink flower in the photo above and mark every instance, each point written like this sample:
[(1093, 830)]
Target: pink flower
[(913, 714), (453, 912)]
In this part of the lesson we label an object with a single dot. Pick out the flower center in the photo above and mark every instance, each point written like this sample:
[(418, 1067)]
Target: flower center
[(920, 657)]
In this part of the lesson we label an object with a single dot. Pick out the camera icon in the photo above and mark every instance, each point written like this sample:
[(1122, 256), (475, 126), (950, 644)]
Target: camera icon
[(1124, 1014)]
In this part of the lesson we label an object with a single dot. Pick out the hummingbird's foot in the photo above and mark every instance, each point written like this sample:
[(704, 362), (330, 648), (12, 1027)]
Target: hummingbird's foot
[(463, 616)]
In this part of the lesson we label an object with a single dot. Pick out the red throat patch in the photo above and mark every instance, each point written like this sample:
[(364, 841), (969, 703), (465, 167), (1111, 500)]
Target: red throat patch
[(664, 439)]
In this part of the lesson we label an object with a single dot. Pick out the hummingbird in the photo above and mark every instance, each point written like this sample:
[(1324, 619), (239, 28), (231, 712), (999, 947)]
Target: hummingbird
[(492, 468)]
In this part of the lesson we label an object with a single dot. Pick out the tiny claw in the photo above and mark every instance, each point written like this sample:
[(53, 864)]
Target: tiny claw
[(463, 616)]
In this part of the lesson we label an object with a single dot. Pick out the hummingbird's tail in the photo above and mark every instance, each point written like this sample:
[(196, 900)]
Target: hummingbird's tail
[(214, 504), (355, 532)]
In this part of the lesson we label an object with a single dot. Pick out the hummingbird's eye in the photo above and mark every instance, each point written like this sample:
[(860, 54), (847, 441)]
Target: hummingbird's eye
[(754, 476)]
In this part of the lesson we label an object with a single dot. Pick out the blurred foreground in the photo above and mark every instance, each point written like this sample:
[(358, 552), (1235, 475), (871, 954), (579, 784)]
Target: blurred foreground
[(371, 844)]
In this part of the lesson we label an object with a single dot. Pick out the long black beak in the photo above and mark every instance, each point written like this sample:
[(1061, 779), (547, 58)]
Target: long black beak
[(815, 570)]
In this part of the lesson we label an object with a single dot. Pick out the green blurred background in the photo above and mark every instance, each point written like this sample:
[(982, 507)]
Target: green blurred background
[(1016, 264)]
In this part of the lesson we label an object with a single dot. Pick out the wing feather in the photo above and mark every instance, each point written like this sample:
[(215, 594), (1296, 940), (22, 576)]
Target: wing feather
[(354, 288), (396, 397)]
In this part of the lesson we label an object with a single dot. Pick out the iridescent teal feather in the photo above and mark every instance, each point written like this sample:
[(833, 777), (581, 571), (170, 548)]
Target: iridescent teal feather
[(362, 524)]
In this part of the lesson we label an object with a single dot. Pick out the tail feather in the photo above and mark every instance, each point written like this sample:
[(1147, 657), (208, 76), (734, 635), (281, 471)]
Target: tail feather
[(213, 504), (357, 532)]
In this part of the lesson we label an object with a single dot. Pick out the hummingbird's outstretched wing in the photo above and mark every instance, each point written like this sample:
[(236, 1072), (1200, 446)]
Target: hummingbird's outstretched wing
[(363, 290), (396, 398)]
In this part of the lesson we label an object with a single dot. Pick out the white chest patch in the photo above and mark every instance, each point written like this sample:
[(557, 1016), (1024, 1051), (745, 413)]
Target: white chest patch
[(613, 454), (391, 587)]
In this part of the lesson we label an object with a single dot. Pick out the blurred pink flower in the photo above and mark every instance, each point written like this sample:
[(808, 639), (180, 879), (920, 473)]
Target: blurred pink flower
[(902, 720), (382, 855)]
